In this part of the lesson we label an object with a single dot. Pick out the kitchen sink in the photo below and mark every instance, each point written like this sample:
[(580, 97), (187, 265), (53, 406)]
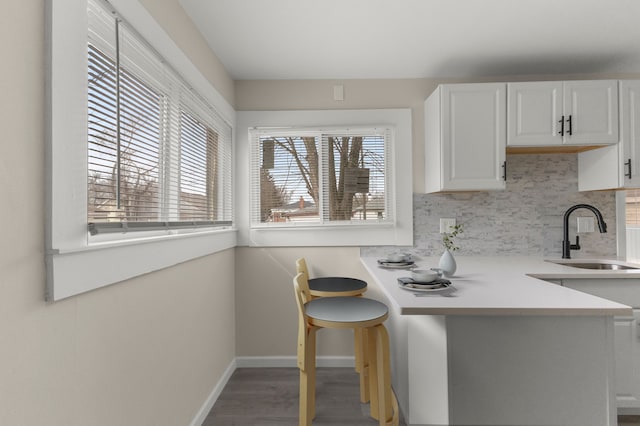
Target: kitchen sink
[(596, 265)]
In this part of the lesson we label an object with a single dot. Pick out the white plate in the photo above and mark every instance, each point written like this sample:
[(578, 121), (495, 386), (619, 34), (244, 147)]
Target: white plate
[(396, 265), (435, 287)]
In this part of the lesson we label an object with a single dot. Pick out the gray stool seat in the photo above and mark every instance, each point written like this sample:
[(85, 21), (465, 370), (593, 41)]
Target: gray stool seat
[(346, 309), (336, 284)]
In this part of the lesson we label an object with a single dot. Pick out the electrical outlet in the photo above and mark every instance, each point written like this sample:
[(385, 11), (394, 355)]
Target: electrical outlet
[(446, 224), (586, 224), (338, 92)]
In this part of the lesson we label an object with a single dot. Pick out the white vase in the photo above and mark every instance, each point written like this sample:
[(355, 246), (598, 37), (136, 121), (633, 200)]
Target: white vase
[(447, 264)]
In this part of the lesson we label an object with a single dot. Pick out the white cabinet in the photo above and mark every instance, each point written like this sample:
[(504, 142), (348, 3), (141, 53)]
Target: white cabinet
[(465, 131), (616, 166), (626, 335), (534, 109), (552, 113), (627, 356)]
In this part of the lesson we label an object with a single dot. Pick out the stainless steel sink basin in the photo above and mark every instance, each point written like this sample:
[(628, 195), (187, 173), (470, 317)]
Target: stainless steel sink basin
[(596, 265)]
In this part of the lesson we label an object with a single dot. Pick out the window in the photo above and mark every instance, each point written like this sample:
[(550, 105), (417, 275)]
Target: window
[(157, 153), (325, 178), (139, 150), (316, 177)]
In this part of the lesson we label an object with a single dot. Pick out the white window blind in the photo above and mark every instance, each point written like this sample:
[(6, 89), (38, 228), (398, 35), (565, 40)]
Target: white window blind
[(310, 177), (159, 156), (632, 207)]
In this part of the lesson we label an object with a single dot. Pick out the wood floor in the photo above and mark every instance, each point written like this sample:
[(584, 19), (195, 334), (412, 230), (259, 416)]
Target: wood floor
[(269, 397), (628, 420)]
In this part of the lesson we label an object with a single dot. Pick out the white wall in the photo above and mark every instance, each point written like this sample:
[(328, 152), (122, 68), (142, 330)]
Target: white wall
[(145, 352)]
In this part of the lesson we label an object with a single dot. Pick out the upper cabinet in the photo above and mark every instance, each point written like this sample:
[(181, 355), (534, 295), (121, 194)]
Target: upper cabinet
[(468, 128), (465, 129), (562, 113), (533, 110), (616, 166)]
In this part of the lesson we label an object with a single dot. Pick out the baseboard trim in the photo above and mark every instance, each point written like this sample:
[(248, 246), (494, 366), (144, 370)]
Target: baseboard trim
[(262, 362), (291, 361), (215, 393)]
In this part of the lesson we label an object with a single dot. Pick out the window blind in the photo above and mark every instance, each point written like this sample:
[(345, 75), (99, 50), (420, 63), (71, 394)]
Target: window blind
[(310, 177), (356, 166), (632, 207), (288, 190), (159, 156)]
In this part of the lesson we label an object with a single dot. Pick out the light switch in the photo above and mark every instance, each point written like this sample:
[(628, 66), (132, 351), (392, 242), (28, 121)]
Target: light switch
[(446, 224), (586, 224), (338, 92)]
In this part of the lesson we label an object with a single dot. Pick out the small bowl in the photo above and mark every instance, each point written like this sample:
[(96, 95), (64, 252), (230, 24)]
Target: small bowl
[(397, 257), (424, 275)]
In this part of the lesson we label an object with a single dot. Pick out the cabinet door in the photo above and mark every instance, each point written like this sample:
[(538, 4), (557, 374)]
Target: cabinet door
[(626, 333), (473, 136), (627, 364), (630, 134), (533, 111), (616, 166), (592, 108)]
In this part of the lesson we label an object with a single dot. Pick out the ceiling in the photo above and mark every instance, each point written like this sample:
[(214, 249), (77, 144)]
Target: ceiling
[(344, 39)]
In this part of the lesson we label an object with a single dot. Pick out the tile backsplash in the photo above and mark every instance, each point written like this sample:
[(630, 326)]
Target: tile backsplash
[(525, 219)]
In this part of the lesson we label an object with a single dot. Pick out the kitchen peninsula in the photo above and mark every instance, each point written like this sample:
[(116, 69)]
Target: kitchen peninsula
[(502, 346)]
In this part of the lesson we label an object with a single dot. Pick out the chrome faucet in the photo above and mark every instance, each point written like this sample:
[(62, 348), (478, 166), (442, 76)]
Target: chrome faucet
[(566, 243)]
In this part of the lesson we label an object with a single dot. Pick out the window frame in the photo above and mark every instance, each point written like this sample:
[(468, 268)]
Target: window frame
[(398, 232), (75, 265)]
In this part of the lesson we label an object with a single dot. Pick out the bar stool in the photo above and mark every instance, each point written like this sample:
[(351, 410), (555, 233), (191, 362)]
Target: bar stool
[(340, 287), (344, 312), (331, 286)]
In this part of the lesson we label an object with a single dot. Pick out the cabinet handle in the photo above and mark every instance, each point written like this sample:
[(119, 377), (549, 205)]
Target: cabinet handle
[(628, 163), (570, 126), (504, 171), (561, 126)]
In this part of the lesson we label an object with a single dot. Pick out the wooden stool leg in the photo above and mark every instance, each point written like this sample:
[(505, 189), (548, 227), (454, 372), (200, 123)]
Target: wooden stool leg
[(373, 370), (363, 364), (312, 371), (385, 392), (357, 347), (307, 365)]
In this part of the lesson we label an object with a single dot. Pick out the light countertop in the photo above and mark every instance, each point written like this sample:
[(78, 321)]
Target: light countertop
[(500, 286)]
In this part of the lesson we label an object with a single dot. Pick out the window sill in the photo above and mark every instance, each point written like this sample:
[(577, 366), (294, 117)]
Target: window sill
[(98, 242), (74, 271), (318, 226), (329, 236)]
